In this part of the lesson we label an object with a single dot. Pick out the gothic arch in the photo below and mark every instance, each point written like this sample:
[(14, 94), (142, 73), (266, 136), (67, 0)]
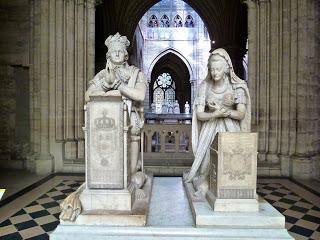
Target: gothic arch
[(174, 64), (177, 53)]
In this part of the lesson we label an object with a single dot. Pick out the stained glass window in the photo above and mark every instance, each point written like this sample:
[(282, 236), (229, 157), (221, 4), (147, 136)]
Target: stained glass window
[(177, 22), (164, 21), (153, 22), (189, 23), (163, 91), (170, 95)]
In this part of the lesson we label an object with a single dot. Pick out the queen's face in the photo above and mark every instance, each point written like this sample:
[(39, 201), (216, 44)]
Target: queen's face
[(217, 69), (117, 56)]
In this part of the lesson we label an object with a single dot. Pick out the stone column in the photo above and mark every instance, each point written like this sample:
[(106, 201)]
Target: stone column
[(62, 62), (194, 86), (147, 99), (282, 80), (307, 151)]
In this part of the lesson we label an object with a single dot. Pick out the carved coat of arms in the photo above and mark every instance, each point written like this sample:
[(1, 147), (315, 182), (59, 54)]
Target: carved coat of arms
[(105, 138), (237, 163)]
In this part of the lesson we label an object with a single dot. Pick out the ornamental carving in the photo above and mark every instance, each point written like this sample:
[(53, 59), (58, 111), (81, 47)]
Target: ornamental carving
[(237, 163)]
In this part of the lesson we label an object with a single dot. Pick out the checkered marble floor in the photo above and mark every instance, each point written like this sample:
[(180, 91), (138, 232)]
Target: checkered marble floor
[(41, 216), (302, 217)]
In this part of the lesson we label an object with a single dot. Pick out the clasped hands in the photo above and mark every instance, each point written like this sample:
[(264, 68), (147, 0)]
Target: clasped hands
[(111, 82), (222, 111), (218, 111)]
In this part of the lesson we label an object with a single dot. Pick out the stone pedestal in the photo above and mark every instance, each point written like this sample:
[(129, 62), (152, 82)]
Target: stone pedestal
[(107, 166), (97, 204), (232, 202), (171, 222), (233, 173), (108, 196)]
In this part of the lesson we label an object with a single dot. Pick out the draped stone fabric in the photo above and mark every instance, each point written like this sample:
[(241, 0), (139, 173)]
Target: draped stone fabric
[(203, 133)]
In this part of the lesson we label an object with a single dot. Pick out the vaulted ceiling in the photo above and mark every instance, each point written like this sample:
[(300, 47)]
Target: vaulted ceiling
[(226, 21)]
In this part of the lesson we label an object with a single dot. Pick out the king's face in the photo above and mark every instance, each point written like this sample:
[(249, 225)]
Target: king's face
[(117, 55)]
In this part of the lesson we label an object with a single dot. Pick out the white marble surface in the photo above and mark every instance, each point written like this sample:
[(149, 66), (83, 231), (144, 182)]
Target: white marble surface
[(169, 204), (167, 233), (170, 218)]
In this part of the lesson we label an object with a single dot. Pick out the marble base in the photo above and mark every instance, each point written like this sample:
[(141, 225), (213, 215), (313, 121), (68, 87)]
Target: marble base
[(232, 205), (266, 218), (137, 216), (119, 219), (236, 205), (119, 200), (170, 218), (168, 233)]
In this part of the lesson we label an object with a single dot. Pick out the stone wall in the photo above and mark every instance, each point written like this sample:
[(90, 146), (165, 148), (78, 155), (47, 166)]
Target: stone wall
[(283, 63), (14, 82), (62, 63)]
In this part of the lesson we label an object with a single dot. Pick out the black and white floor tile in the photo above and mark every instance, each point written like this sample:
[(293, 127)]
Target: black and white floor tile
[(302, 217), (41, 216), (37, 219)]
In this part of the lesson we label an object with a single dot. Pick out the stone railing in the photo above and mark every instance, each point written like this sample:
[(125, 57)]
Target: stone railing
[(167, 148)]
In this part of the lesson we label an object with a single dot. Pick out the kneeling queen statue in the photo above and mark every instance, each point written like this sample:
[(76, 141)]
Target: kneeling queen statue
[(222, 104)]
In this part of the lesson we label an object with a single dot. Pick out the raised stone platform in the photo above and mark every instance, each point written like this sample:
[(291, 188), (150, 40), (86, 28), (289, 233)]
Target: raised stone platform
[(136, 217), (170, 218), (266, 218), (154, 233)]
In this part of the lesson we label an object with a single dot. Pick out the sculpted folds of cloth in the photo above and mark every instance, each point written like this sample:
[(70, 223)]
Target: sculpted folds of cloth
[(222, 104)]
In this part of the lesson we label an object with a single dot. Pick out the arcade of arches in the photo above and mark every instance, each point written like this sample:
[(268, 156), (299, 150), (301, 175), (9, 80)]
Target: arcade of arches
[(50, 49)]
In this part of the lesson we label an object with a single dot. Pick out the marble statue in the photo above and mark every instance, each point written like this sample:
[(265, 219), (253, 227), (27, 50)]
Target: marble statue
[(153, 107), (132, 84), (170, 107), (176, 107), (129, 84), (222, 104), (187, 108), (164, 109)]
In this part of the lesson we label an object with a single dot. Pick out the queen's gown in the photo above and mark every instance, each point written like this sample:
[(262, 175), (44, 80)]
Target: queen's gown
[(204, 132)]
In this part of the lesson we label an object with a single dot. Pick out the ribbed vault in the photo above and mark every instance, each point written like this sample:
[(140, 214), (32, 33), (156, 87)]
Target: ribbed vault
[(226, 22)]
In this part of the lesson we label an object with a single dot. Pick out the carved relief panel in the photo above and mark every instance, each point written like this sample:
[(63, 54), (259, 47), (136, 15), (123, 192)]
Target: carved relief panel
[(105, 165), (237, 165)]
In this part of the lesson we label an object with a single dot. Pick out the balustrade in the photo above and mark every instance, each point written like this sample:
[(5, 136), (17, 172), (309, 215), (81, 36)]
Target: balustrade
[(167, 148)]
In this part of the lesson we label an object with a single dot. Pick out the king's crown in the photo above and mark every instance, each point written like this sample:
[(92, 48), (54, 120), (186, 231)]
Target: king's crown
[(104, 122)]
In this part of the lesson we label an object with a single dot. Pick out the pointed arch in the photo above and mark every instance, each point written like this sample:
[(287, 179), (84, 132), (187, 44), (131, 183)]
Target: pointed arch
[(178, 54)]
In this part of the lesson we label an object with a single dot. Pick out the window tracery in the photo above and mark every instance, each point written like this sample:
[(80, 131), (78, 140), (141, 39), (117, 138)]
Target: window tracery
[(164, 90), (153, 22), (177, 22), (164, 21), (189, 23)]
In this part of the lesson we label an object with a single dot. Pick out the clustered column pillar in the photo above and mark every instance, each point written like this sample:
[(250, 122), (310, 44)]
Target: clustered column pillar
[(282, 78), (62, 62)]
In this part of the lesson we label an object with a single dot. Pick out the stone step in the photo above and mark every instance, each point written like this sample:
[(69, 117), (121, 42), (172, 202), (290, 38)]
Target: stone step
[(168, 233)]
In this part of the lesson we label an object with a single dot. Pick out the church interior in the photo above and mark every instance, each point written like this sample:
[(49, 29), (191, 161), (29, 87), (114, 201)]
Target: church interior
[(51, 49)]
